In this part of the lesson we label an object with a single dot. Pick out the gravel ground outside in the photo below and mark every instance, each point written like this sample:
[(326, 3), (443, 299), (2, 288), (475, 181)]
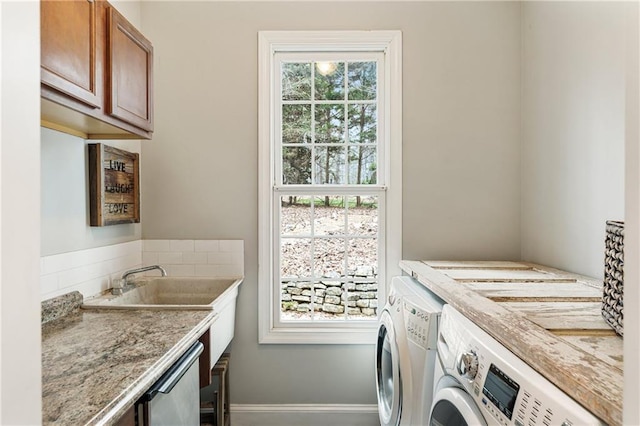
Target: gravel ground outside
[(360, 246)]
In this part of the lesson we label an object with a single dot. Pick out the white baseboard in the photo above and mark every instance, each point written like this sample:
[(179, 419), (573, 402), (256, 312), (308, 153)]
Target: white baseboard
[(304, 414)]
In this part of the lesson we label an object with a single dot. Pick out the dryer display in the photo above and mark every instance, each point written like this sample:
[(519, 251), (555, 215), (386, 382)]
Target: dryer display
[(501, 390)]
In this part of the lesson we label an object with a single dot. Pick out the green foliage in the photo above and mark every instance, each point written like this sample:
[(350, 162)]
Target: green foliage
[(337, 201), (362, 81), (296, 165), (296, 81), (344, 152)]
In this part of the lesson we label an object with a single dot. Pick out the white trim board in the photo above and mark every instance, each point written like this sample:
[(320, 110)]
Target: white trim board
[(304, 414), (270, 44)]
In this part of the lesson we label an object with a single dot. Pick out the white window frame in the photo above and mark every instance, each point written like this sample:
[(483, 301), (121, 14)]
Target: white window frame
[(269, 43)]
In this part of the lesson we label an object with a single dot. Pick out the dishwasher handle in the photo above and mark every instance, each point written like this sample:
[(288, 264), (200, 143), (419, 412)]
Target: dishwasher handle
[(173, 375)]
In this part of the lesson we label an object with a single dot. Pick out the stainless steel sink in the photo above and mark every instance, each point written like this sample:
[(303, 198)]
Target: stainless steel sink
[(194, 293)]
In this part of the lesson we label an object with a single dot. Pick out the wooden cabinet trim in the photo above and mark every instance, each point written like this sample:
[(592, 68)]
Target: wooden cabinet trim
[(205, 359), (128, 418)]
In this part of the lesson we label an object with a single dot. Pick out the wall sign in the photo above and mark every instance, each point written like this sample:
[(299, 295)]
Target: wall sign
[(114, 189)]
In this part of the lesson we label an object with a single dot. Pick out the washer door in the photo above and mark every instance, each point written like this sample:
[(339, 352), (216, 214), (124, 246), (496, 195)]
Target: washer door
[(388, 380), (453, 406)]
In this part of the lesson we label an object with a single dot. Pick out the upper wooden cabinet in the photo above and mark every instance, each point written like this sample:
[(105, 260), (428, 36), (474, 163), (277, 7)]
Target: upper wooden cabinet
[(68, 59), (96, 71), (130, 73)]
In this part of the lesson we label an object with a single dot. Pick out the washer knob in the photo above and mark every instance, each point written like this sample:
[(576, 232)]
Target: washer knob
[(467, 365)]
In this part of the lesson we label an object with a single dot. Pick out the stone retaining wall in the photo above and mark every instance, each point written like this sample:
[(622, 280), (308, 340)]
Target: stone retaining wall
[(360, 291)]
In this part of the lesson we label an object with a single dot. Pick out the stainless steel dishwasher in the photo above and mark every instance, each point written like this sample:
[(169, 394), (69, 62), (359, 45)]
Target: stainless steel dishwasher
[(175, 398)]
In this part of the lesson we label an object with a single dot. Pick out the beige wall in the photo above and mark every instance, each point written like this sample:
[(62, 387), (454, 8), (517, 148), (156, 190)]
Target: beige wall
[(573, 121), (632, 221), (461, 153), (20, 377)]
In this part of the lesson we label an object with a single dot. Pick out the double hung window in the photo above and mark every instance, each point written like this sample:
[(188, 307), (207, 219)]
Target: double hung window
[(328, 173)]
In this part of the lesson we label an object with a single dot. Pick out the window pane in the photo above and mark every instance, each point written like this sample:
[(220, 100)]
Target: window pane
[(330, 162), (364, 300), (296, 81), (318, 299), (295, 258), (363, 165), (363, 215), (296, 165), (329, 216), (295, 300), (362, 257), (329, 81), (328, 257), (329, 123), (328, 201), (362, 123), (295, 215), (351, 298), (296, 124), (332, 307), (362, 80)]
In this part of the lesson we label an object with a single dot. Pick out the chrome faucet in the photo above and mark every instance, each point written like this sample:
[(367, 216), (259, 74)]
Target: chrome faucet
[(122, 285)]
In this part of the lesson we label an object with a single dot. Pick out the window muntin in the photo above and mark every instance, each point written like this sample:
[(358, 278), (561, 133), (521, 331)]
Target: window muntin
[(328, 120), (326, 266), (327, 46)]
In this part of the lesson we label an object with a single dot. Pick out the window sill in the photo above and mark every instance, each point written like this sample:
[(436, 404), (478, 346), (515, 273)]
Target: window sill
[(328, 336)]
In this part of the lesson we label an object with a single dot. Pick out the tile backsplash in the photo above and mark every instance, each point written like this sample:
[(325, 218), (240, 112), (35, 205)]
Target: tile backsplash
[(91, 271), (196, 258), (88, 271)]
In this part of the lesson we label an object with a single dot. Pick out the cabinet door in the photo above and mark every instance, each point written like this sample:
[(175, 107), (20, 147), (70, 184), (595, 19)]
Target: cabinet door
[(128, 418), (129, 73), (69, 57)]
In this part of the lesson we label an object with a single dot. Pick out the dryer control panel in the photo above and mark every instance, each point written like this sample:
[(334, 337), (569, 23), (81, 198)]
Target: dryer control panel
[(506, 390)]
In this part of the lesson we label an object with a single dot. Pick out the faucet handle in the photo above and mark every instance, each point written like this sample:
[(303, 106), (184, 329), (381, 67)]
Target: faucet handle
[(117, 286)]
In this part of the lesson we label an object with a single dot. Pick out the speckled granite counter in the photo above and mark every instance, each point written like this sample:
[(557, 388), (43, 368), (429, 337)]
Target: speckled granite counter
[(96, 364)]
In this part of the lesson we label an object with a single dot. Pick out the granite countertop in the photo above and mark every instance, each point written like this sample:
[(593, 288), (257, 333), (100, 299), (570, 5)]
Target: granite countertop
[(547, 317), (96, 364)]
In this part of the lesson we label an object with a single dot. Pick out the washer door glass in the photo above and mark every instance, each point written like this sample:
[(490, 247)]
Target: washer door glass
[(388, 380), (452, 406)]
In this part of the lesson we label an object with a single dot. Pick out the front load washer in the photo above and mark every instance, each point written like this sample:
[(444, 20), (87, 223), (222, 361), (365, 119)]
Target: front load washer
[(406, 353), (480, 382)]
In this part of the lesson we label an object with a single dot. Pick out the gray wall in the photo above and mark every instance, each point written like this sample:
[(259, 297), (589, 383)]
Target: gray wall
[(461, 69), (65, 197), (573, 121)]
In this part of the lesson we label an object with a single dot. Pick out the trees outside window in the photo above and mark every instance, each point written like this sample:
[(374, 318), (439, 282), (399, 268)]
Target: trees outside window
[(328, 166)]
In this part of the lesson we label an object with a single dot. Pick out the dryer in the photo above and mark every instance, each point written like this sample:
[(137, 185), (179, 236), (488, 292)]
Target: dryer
[(480, 382), (406, 353)]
